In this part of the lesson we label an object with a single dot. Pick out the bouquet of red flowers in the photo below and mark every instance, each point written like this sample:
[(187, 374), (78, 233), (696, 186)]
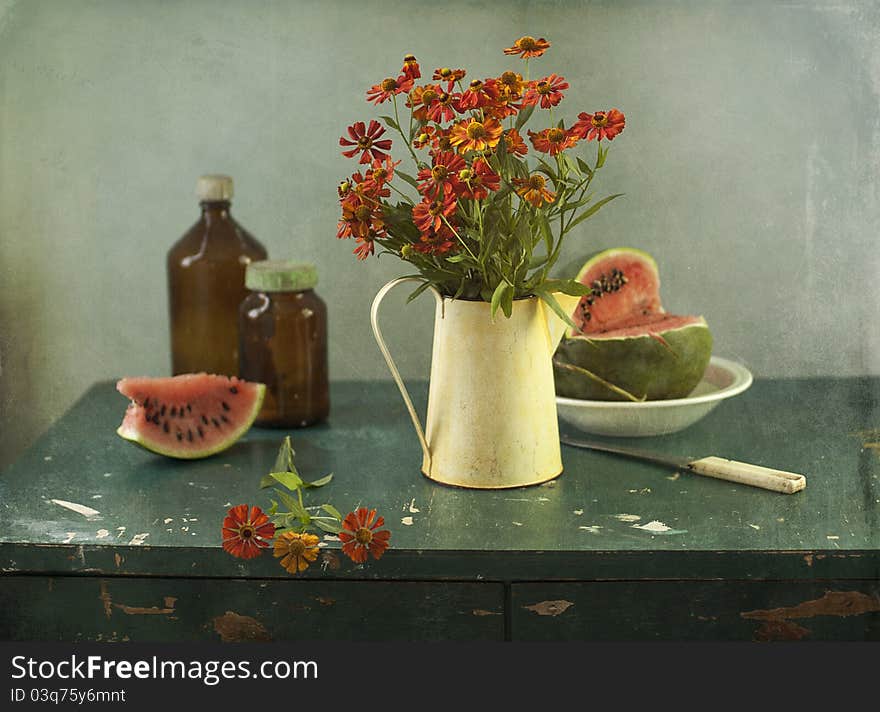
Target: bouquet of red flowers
[(476, 219)]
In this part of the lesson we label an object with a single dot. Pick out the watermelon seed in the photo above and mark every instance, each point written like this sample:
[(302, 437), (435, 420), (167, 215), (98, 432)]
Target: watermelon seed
[(233, 390), (201, 432), (224, 418), (146, 403), (165, 426), (204, 419), (189, 435), (225, 405), (162, 412), (173, 411), (189, 408), (179, 436), (216, 422)]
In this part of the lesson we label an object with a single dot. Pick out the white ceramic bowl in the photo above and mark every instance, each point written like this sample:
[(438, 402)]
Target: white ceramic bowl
[(722, 379)]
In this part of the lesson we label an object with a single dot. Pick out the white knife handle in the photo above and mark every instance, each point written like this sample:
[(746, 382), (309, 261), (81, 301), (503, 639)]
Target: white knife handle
[(746, 474)]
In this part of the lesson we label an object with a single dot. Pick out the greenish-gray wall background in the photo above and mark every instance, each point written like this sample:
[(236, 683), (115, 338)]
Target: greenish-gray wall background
[(750, 165)]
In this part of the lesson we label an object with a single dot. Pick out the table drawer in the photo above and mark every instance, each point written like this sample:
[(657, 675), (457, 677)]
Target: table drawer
[(701, 610), (157, 609)]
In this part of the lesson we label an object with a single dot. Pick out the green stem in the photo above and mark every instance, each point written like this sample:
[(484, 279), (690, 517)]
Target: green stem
[(400, 193), (400, 131), (459, 238)]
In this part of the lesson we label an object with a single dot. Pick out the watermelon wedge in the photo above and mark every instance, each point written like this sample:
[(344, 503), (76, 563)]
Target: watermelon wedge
[(627, 347), (189, 416)]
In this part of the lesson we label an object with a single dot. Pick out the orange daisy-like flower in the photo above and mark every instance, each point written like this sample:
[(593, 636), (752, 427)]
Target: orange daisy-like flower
[(479, 180), (361, 220), (388, 87), (422, 98), (366, 247), (296, 551), (475, 135), (547, 91), (379, 174), (478, 94), (533, 189), (367, 141), (528, 47), (442, 177), (552, 141), (246, 531), (424, 137), (511, 85), (428, 215), (436, 242), (411, 67), (602, 124), (360, 537), (449, 75), (442, 140), (514, 143)]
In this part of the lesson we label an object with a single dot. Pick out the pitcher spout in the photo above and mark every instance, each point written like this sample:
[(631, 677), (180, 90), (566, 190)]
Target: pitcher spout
[(556, 327)]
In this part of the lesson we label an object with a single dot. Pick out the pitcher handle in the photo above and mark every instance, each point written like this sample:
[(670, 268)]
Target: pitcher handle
[(377, 333)]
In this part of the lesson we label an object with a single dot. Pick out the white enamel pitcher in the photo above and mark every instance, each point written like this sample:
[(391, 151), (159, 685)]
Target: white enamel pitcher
[(491, 419)]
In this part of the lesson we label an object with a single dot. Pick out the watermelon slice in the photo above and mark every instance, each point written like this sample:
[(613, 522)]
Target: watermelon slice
[(189, 416), (627, 347)]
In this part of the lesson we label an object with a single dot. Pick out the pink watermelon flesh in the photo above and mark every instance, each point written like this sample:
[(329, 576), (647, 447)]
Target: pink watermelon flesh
[(626, 292), (189, 416)]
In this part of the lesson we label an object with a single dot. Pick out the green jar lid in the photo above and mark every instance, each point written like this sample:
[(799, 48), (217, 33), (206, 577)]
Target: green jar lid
[(280, 276)]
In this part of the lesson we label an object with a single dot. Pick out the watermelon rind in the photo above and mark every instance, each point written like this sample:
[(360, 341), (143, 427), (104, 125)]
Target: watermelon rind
[(128, 431), (667, 364)]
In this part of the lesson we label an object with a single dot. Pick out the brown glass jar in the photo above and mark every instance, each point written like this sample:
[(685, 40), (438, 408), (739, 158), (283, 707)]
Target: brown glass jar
[(206, 284), (283, 343)]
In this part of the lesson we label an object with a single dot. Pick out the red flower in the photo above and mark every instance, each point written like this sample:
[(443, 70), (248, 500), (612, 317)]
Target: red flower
[(365, 247), (424, 137), (552, 141), (428, 215), (361, 220), (602, 124), (445, 107), (548, 91), (379, 174), (479, 94), (528, 47), (366, 140), (411, 67), (449, 75), (246, 533), (388, 87), (359, 536), (442, 177), (479, 180), (533, 190), (436, 242), (514, 143)]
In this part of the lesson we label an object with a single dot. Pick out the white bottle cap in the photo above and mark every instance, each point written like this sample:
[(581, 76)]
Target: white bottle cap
[(211, 188)]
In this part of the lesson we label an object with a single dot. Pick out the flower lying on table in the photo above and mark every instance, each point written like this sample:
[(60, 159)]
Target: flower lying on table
[(247, 530)]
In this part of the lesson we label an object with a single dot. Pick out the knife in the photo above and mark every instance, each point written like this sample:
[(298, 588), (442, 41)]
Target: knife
[(717, 467)]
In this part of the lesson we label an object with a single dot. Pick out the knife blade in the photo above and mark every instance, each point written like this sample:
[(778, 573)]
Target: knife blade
[(717, 467)]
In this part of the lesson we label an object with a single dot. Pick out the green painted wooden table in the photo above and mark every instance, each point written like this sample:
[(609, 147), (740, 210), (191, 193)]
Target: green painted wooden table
[(575, 558)]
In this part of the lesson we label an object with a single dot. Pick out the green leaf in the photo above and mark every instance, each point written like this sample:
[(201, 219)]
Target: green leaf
[(584, 166), (284, 460), (551, 302), (546, 232), (332, 511), (319, 482), (409, 179), (273, 509), (593, 209), (292, 504), (327, 524), (567, 286), (390, 122), (287, 479), (548, 169), (417, 291), (497, 296), (524, 115), (601, 156)]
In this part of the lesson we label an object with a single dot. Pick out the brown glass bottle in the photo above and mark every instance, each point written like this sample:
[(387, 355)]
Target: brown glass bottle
[(206, 270), (283, 343)]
